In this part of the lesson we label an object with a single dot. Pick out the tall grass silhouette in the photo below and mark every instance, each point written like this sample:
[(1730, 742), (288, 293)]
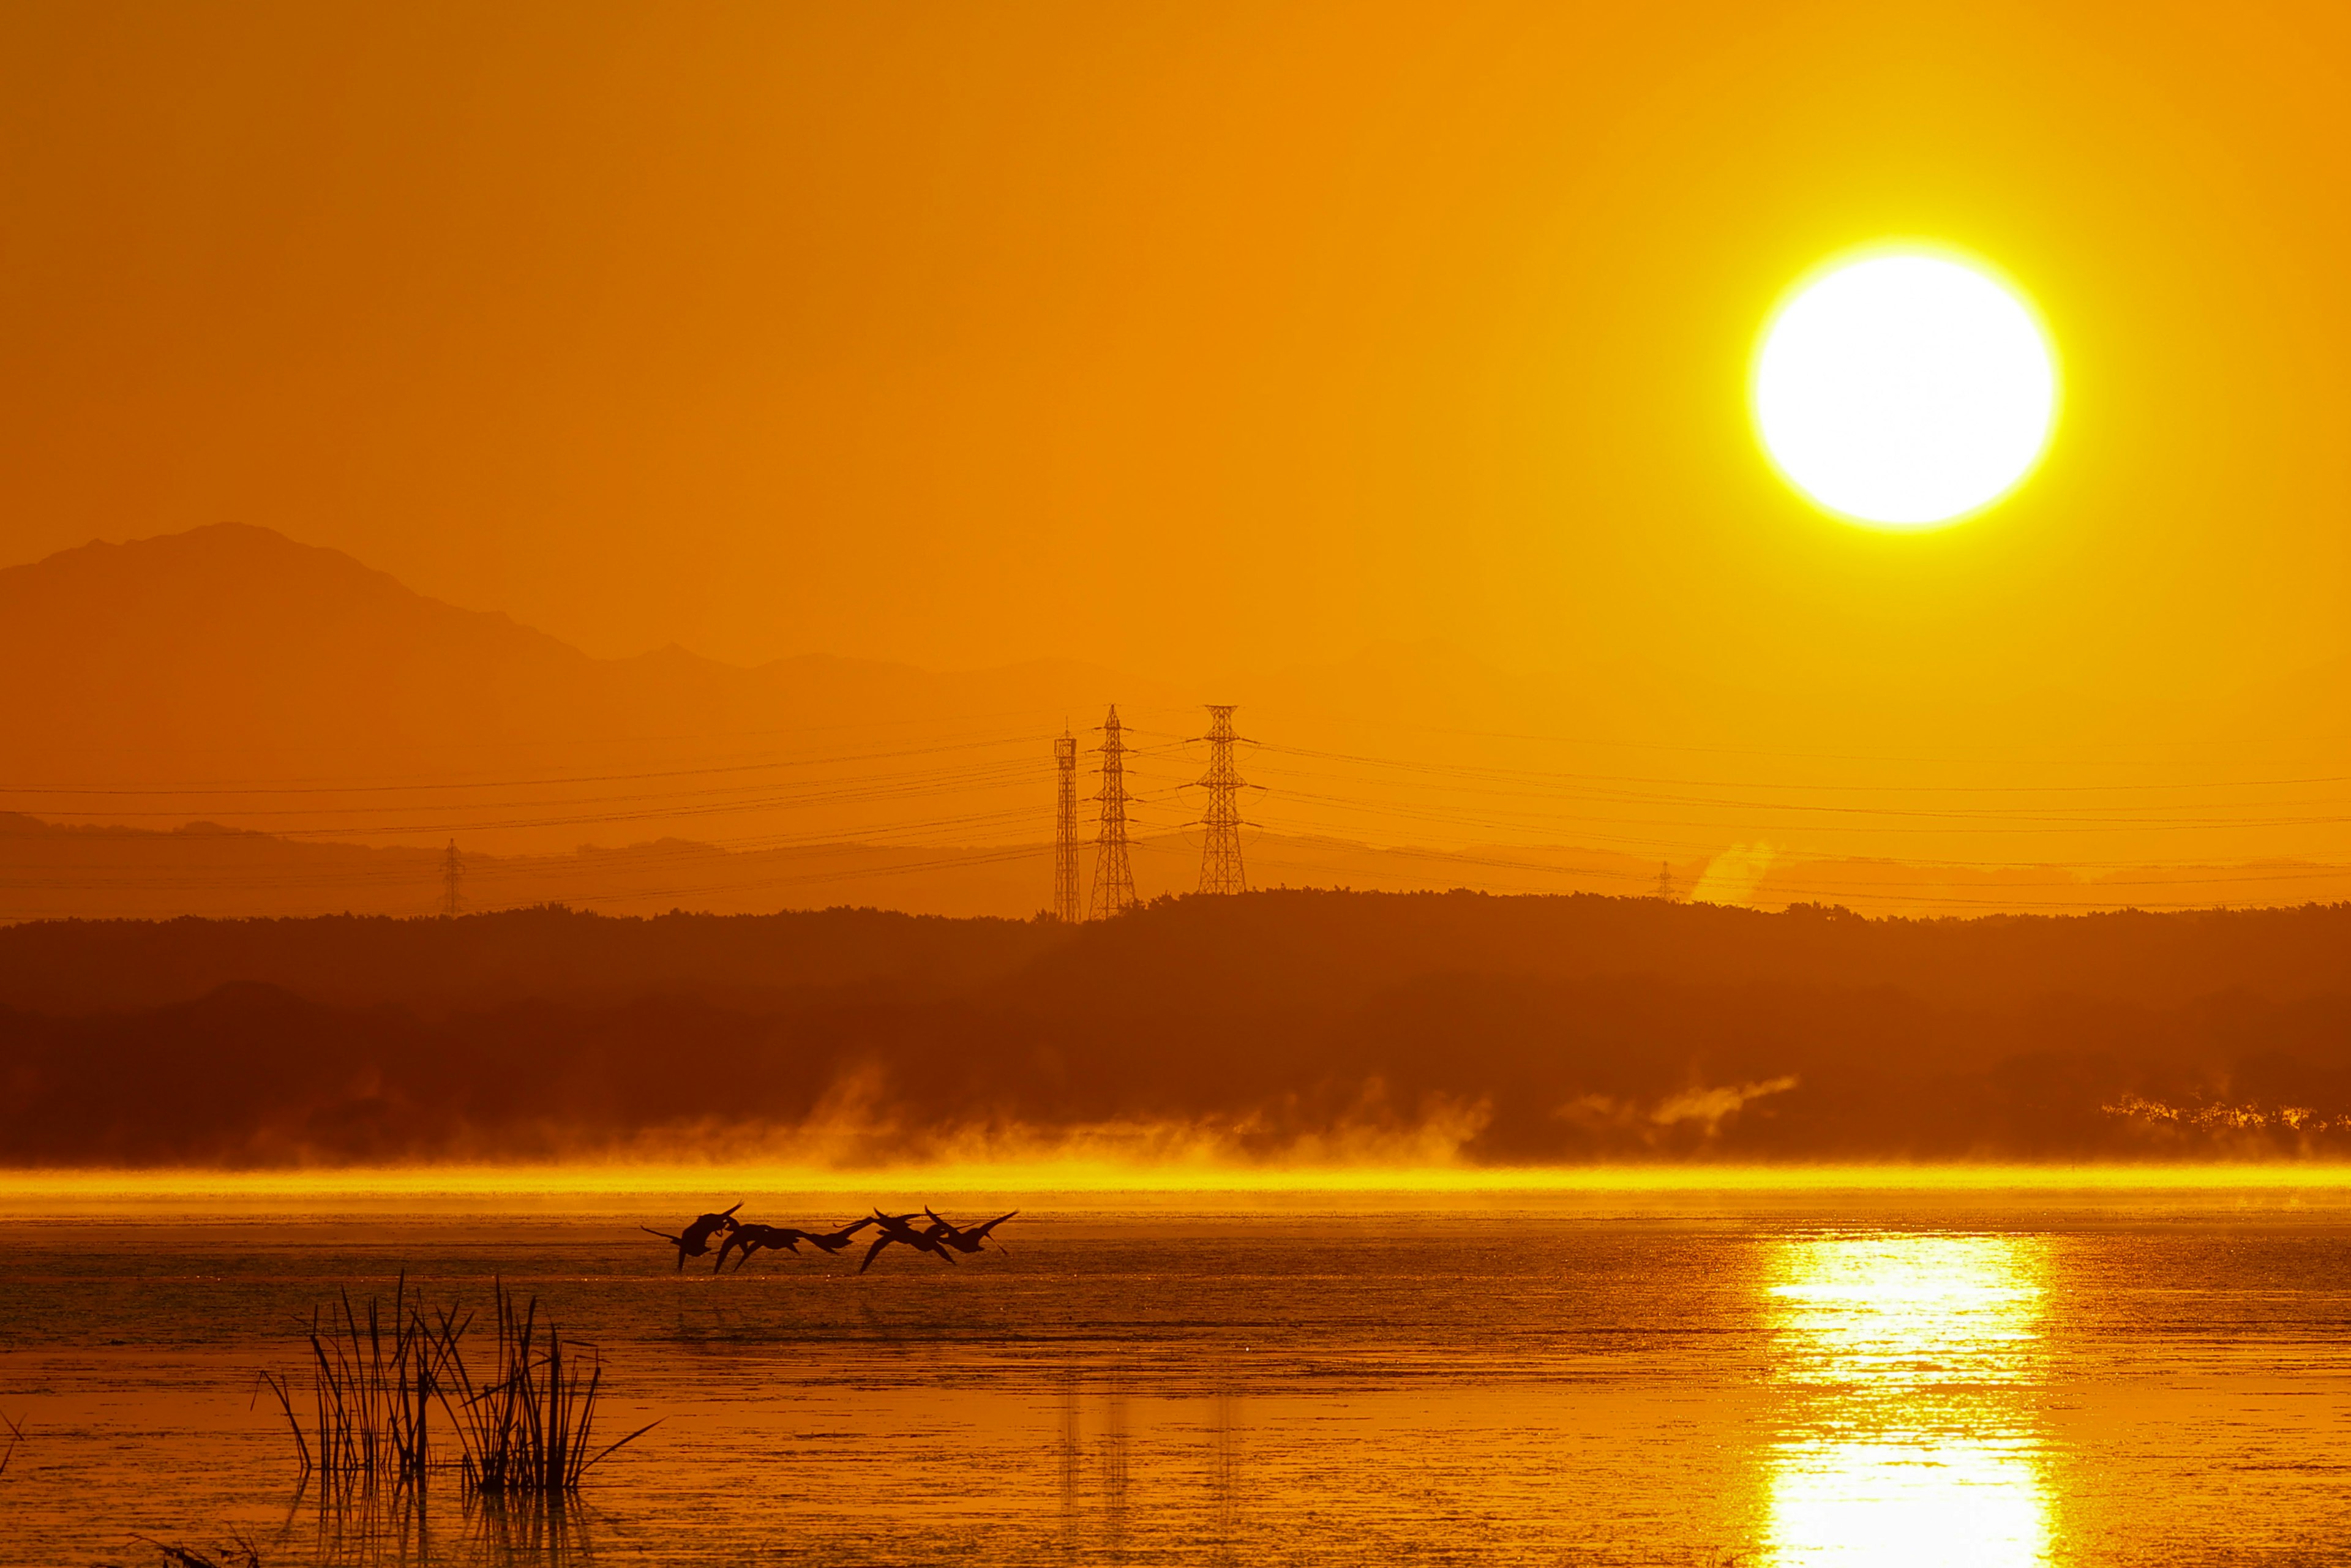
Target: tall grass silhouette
[(378, 1377)]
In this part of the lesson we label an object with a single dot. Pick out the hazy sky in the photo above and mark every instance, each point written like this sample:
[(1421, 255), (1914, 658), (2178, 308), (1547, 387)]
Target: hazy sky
[(1182, 338)]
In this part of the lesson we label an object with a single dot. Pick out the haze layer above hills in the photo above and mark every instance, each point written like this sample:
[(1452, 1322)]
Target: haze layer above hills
[(347, 729)]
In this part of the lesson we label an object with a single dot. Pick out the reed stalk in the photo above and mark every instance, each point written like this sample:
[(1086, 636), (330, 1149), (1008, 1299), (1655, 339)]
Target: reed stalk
[(376, 1378)]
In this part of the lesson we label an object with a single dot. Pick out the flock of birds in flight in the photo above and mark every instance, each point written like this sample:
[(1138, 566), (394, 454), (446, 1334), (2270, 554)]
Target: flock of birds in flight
[(940, 1238)]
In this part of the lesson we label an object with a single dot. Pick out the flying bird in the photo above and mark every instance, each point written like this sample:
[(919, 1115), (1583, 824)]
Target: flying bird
[(751, 1237), (834, 1240), (895, 1229), (946, 1231), (694, 1242)]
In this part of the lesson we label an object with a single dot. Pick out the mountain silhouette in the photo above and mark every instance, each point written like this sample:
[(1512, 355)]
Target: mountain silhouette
[(316, 705), (237, 641), (229, 656), (325, 711)]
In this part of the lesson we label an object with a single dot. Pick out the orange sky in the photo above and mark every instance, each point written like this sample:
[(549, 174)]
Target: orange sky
[(1210, 340)]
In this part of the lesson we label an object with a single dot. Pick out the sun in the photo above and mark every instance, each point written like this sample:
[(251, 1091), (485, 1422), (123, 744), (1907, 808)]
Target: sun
[(1904, 389)]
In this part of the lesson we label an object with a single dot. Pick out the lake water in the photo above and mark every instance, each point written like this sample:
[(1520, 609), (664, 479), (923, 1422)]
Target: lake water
[(1875, 1380)]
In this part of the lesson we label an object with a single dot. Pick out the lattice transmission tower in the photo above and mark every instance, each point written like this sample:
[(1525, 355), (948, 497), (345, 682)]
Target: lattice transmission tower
[(1066, 907), (453, 874), (1220, 856), (1114, 876)]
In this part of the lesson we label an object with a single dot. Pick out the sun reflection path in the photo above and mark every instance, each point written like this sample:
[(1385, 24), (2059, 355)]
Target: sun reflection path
[(1909, 1437)]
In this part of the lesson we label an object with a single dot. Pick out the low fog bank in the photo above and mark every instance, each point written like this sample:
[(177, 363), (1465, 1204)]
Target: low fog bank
[(1276, 1027)]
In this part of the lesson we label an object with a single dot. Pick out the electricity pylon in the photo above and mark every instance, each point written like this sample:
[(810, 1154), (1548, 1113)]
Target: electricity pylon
[(1114, 877), (453, 871), (1066, 907), (1220, 855)]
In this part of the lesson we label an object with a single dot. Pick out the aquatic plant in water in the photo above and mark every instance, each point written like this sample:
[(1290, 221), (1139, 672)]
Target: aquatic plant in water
[(377, 1377)]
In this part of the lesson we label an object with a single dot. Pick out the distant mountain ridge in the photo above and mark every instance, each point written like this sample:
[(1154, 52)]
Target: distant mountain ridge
[(231, 635), (235, 638), (207, 664), (49, 872), (233, 674)]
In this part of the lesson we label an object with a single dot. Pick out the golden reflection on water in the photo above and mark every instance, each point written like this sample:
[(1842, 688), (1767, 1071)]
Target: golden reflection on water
[(1910, 1437)]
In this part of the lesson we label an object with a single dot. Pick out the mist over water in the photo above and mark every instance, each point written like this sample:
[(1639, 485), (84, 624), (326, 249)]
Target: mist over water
[(1276, 1031), (1894, 1377)]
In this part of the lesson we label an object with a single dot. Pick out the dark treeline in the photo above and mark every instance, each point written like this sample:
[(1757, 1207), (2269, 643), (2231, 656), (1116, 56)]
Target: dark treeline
[(104, 966), (1330, 1025)]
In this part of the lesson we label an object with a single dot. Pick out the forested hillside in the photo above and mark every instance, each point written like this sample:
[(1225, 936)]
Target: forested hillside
[(1273, 1025)]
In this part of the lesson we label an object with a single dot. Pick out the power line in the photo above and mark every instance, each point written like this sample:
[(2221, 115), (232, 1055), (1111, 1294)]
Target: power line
[(367, 787), (1390, 721), (1568, 788), (1511, 803)]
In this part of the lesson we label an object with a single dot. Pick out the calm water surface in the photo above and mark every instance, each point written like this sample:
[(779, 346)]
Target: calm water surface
[(1881, 1384)]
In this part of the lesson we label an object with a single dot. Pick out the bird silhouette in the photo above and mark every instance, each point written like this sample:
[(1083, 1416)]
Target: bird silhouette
[(948, 1233), (695, 1241), (895, 1229), (834, 1240), (751, 1237)]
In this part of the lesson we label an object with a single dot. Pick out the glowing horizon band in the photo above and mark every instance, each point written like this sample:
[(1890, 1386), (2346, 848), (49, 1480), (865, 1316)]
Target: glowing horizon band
[(1105, 1179)]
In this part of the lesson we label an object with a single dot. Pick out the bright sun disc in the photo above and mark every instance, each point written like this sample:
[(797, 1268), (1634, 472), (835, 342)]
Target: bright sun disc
[(1905, 390)]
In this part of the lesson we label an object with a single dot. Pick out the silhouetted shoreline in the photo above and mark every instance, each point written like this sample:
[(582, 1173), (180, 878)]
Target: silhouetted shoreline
[(1274, 1027)]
